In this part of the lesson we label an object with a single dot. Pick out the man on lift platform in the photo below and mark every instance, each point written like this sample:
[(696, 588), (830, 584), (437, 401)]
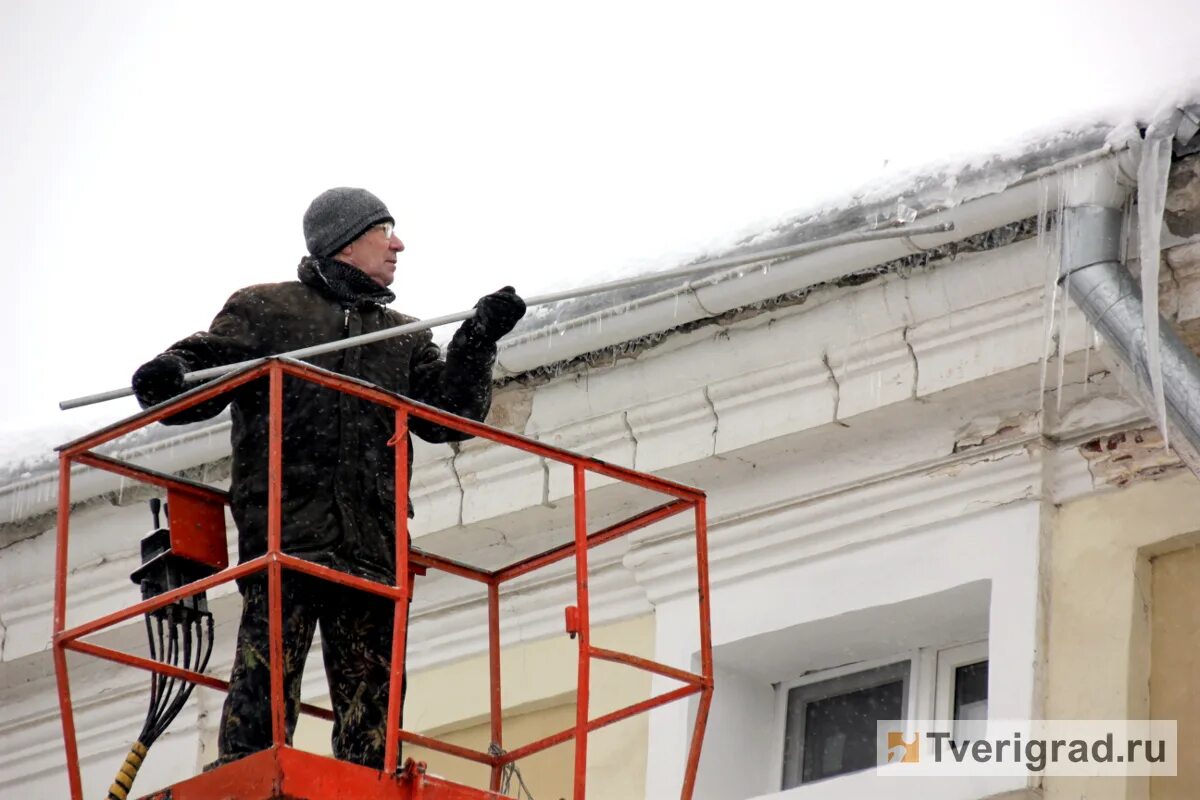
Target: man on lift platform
[(338, 472)]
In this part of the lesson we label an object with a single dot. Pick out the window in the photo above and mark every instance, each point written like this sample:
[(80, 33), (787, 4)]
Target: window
[(827, 720), (829, 725), (795, 705), (962, 687), (970, 693)]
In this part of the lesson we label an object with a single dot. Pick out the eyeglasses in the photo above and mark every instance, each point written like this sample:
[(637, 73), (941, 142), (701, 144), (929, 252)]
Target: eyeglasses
[(387, 229)]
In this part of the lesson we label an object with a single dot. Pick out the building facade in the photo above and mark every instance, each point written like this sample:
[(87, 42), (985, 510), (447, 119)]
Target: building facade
[(933, 492)]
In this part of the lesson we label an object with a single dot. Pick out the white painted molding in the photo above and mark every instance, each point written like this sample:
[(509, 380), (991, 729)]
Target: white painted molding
[(872, 373), (608, 438), (497, 480), (677, 430), (759, 541), (772, 402)]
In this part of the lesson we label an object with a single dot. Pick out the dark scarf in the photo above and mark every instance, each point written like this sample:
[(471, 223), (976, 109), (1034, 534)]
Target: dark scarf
[(349, 285)]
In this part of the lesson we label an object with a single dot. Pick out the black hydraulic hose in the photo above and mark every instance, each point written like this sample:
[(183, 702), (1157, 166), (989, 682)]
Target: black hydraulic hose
[(171, 642)]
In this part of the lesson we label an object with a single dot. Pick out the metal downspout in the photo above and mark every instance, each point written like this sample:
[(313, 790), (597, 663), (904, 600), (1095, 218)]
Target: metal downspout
[(1107, 294)]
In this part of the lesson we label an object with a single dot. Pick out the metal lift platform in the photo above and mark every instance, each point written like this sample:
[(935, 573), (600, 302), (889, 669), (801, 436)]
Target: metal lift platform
[(197, 530)]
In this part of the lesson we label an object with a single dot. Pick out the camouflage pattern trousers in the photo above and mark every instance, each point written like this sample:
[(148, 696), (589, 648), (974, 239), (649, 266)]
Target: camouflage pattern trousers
[(356, 642)]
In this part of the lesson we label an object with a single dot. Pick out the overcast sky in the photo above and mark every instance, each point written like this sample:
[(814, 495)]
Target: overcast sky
[(159, 155)]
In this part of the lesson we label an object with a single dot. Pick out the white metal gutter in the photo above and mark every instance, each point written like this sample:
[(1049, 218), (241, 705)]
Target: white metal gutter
[(979, 208)]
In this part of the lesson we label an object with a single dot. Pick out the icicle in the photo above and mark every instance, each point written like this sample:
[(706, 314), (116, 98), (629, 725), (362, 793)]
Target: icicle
[(1127, 230), (1063, 330), (1089, 336), (1043, 227), (1153, 171), (1050, 291), (1043, 212), (1119, 369)]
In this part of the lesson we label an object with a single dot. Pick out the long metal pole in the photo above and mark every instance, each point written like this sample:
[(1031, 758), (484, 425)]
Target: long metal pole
[(728, 262)]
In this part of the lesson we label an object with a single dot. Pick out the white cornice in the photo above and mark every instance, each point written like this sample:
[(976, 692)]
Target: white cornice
[(756, 540), (783, 399)]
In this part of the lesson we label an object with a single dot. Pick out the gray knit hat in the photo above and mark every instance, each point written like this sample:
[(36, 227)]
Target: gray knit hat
[(339, 216)]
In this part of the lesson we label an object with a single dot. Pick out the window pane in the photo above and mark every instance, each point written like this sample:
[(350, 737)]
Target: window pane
[(839, 732), (830, 726), (970, 700)]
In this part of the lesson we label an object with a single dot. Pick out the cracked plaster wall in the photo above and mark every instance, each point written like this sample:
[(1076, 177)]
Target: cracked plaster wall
[(1098, 623)]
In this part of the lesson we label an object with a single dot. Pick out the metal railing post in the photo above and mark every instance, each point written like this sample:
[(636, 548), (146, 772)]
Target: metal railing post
[(391, 755), (274, 546), (497, 709), (582, 692), (706, 665), (60, 622)]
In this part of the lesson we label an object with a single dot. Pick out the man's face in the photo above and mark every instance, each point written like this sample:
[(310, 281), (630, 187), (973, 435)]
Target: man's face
[(375, 253)]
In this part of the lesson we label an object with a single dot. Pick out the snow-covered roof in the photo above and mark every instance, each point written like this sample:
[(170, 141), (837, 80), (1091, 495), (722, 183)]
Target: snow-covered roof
[(899, 198), (31, 453)]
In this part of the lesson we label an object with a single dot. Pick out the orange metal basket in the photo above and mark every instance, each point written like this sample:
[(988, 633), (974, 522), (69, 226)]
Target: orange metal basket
[(283, 771)]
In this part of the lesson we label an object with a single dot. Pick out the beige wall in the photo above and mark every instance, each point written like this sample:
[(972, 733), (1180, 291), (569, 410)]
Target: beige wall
[(546, 774), (538, 678), (1175, 662), (1099, 615)]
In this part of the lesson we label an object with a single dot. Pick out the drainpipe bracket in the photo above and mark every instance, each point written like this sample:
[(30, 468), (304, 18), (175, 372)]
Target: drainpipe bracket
[(1091, 235)]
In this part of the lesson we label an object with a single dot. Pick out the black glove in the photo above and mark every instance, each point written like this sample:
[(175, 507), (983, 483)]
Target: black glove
[(496, 314), (158, 380)]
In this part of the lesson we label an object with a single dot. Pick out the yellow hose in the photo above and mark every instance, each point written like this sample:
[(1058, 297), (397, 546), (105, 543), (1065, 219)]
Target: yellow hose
[(129, 770)]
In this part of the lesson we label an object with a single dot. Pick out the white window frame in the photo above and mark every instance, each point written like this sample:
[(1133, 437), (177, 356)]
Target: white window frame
[(930, 692), (949, 659), (920, 690)]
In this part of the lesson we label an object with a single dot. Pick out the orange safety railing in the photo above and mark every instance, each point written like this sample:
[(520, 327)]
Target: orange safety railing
[(679, 499)]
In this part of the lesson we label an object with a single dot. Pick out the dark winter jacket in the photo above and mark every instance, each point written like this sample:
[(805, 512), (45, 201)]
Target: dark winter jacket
[(338, 472)]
